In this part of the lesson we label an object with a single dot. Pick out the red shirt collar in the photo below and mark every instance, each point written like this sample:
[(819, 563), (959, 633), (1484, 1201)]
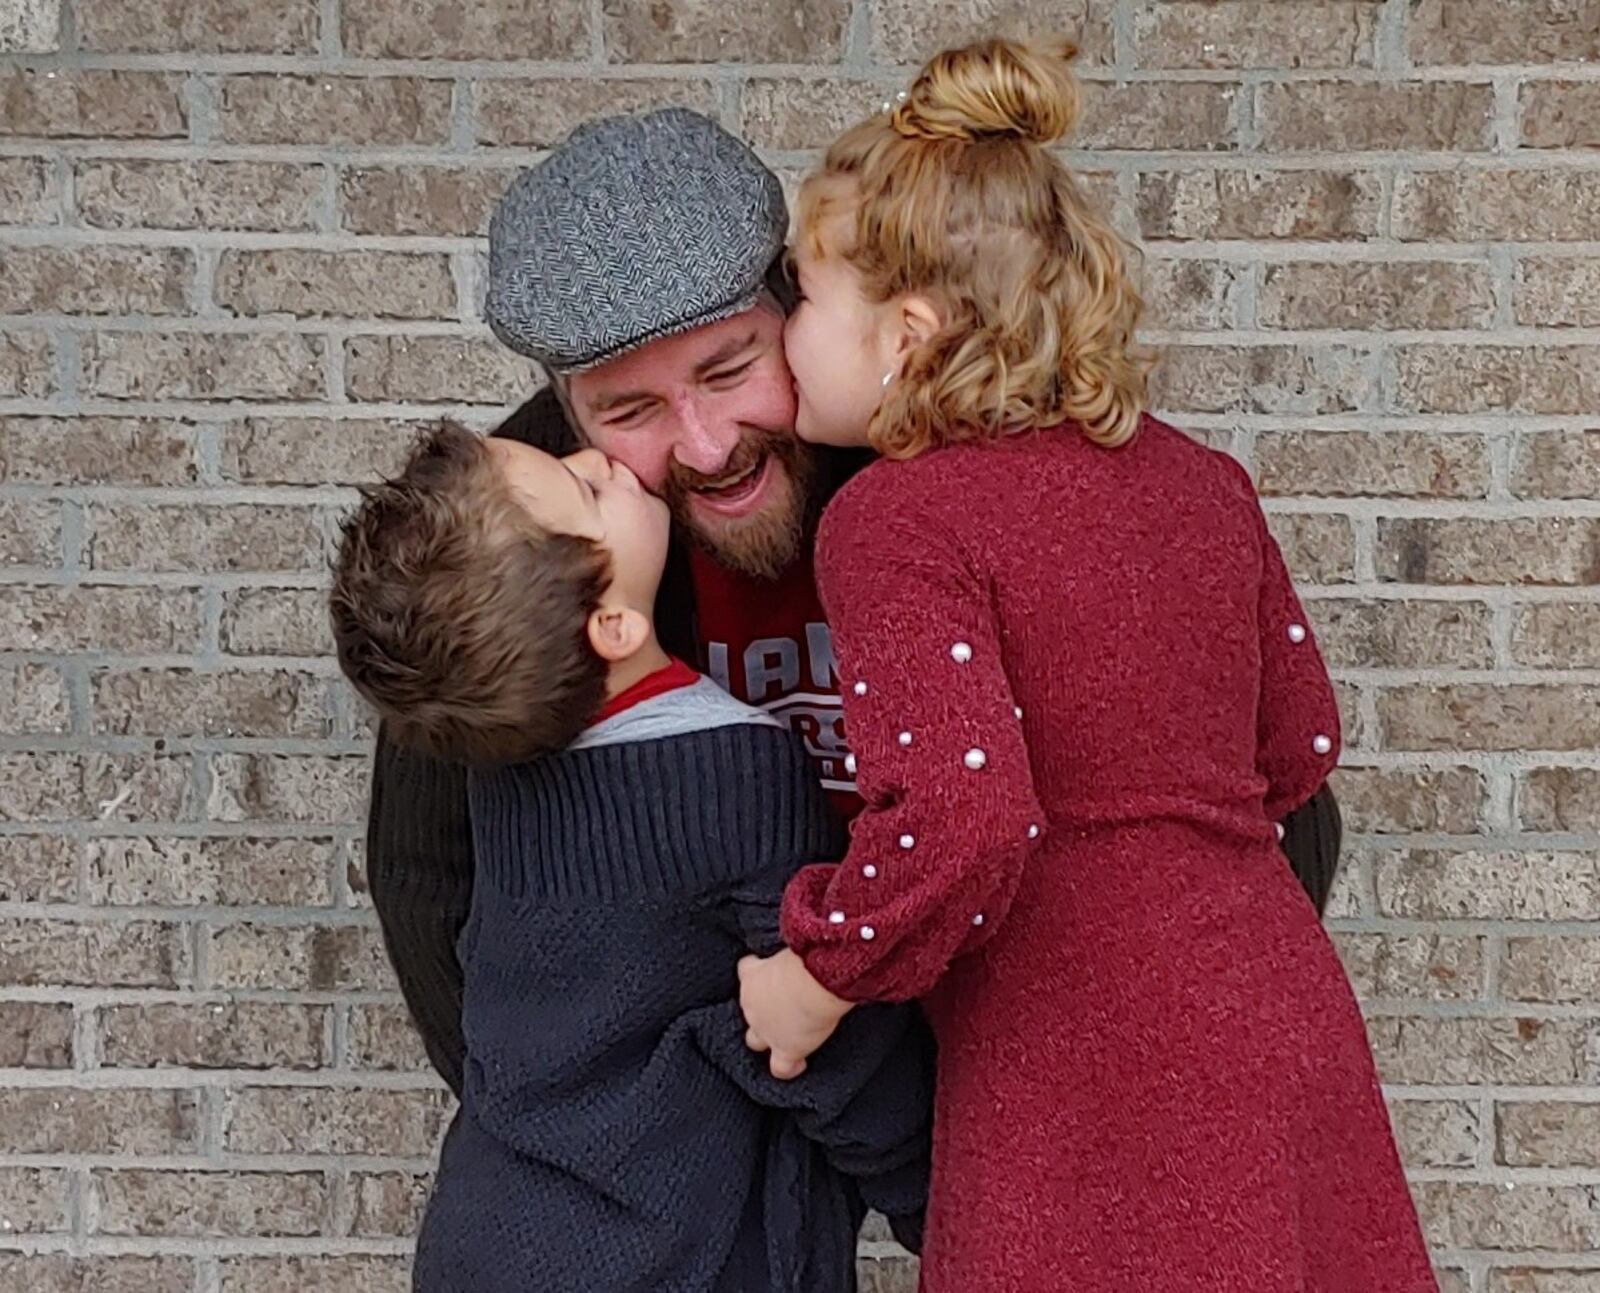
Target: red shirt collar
[(668, 678)]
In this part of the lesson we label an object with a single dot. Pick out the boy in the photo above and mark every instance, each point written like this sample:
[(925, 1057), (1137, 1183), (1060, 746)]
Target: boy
[(633, 827)]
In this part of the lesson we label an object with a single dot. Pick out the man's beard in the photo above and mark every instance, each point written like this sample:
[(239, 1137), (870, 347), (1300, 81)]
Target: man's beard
[(768, 541)]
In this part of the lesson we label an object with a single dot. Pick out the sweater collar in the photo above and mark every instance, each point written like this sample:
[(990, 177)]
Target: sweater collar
[(667, 678)]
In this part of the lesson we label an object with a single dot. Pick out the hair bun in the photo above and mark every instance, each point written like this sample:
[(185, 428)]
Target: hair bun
[(992, 88)]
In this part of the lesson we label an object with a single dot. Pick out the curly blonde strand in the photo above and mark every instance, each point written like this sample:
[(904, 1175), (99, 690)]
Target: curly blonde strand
[(953, 194)]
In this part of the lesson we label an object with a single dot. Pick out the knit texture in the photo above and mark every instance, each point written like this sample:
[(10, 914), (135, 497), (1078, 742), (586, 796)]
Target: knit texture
[(419, 872), (613, 241), (1082, 691), (615, 1133), (419, 847)]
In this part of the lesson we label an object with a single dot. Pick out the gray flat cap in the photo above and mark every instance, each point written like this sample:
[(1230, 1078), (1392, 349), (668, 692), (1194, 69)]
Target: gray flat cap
[(634, 228)]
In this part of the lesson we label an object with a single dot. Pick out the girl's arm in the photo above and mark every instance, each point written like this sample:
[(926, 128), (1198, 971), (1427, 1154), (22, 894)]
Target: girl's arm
[(1297, 716), (950, 814)]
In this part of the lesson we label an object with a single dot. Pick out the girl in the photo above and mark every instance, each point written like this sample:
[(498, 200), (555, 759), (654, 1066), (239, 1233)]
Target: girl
[(1082, 692)]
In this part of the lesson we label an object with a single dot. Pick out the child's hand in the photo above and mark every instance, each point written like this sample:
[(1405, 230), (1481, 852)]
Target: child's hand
[(787, 1013)]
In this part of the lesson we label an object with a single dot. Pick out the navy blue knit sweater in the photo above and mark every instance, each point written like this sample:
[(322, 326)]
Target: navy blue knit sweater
[(615, 1134)]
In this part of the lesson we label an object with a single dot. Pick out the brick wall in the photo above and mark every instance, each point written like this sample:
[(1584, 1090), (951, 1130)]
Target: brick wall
[(241, 259)]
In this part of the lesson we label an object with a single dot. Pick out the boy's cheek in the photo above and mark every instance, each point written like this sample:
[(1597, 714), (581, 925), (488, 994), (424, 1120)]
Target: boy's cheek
[(645, 459)]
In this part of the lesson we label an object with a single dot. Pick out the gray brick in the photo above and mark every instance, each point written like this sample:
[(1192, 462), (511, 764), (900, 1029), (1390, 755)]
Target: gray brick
[(35, 1035), (200, 366), (82, 617), (38, 868), (360, 1274), (27, 365), (189, 702), (97, 451), (299, 958), (30, 533), (199, 1204), (221, 537), (65, 953), (276, 621), (34, 700), (555, 30), (329, 789), (354, 111), (63, 1120), (1530, 884), (236, 1035), (347, 284), (55, 786), (81, 104), (317, 451), (33, 1200), (278, 197), (198, 26), (97, 280), (59, 1273), (211, 870), (704, 31), (432, 370), (300, 1120)]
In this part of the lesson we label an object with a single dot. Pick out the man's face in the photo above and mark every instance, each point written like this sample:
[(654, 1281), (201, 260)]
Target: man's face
[(706, 420)]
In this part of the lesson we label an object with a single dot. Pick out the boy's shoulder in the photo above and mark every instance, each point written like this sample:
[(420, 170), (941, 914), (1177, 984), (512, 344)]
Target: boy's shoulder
[(665, 801), (701, 706)]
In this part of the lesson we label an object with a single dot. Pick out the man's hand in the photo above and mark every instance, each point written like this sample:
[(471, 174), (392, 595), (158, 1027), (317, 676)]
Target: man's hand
[(787, 1013)]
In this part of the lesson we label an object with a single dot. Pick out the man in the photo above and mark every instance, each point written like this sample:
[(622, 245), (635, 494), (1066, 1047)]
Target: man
[(638, 266)]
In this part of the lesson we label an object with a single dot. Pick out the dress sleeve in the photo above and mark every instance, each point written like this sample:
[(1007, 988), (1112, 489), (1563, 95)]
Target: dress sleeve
[(1297, 724), (950, 813)]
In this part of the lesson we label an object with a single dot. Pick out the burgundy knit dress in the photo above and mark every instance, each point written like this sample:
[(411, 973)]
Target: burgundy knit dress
[(1082, 691)]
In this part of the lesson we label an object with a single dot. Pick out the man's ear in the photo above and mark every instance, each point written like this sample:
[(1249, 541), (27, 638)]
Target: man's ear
[(617, 632)]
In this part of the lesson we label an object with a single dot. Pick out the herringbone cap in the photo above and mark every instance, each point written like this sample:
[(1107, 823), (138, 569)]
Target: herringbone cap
[(634, 228)]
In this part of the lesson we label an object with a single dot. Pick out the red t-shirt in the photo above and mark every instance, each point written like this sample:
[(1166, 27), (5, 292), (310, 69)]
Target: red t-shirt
[(766, 643), (667, 678)]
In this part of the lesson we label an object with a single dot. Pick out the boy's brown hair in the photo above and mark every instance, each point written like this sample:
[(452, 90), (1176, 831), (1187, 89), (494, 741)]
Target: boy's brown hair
[(461, 619)]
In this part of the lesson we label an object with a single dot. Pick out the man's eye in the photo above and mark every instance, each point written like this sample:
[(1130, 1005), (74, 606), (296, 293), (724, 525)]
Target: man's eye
[(729, 375)]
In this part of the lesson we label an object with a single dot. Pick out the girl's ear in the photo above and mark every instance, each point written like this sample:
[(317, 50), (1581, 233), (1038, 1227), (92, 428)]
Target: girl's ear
[(918, 319)]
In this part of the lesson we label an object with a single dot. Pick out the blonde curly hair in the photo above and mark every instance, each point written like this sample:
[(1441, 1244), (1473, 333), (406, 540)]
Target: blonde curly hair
[(953, 194)]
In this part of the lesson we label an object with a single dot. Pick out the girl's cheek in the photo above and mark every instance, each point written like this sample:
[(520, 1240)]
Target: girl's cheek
[(794, 346)]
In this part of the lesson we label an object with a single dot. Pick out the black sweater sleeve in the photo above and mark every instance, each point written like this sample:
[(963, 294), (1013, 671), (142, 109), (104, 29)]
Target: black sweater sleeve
[(419, 869), (419, 839), (866, 1097), (1312, 835)]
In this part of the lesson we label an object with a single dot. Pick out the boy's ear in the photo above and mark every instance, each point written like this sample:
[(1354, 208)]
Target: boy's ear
[(616, 632)]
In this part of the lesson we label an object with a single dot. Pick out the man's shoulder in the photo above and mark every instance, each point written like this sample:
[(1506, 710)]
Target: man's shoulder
[(840, 466), (541, 422)]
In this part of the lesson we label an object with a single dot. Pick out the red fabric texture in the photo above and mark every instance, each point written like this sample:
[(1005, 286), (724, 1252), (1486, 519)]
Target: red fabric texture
[(768, 644), (1153, 1072)]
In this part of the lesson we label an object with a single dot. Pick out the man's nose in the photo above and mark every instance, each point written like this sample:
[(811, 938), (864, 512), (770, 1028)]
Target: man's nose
[(703, 444)]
